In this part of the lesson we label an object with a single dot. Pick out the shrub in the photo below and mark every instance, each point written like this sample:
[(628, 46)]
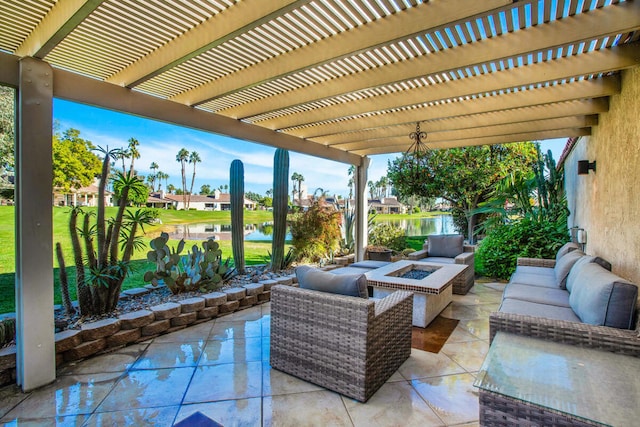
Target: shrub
[(497, 254), (389, 236), (315, 233)]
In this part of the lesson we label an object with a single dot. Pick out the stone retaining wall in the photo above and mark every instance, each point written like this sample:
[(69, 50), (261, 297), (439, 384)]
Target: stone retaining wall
[(130, 328)]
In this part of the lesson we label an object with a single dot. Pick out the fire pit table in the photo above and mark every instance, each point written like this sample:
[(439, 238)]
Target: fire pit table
[(430, 283)]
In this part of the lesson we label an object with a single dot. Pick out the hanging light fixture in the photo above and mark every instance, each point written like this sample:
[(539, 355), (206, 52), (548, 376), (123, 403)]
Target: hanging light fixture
[(412, 158)]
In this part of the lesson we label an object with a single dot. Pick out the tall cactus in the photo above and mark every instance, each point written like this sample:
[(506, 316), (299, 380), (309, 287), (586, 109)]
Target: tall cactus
[(280, 206), (237, 213)]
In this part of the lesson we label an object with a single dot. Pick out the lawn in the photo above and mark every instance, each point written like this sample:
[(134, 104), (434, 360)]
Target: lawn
[(255, 252)]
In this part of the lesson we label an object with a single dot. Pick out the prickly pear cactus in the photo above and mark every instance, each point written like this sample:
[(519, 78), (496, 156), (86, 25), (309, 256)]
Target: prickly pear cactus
[(167, 263), (237, 213), (280, 206)]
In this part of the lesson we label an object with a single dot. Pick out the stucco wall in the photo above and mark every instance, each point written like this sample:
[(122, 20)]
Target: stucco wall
[(607, 203)]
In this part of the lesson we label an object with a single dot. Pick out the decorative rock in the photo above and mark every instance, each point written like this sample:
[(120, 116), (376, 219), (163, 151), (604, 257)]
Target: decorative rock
[(136, 319), (235, 294), (68, 339), (85, 349), (151, 286), (123, 337), (254, 288), (100, 329), (184, 319), (191, 305), (285, 280), (135, 292), (264, 297), (228, 307), (8, 357), (125, 297), (155, 327), (208, 312), (249, 300), (166, 311), (268, 284), (214, 299)]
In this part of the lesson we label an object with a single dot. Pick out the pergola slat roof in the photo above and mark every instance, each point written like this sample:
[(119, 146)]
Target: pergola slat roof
[(342, 78)]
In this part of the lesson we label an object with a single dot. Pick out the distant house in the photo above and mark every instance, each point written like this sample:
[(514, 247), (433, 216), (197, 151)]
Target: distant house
[(213, 202), (387, 205), (83, 196)]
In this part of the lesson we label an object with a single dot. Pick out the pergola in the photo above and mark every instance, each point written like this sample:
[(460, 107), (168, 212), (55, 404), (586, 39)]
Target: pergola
[(338, 79)]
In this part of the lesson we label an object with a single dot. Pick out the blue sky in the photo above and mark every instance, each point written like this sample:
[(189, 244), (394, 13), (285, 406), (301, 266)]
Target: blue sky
[(160, 142)]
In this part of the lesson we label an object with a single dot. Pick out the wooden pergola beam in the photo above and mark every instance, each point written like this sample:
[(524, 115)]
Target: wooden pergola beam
[(583, 89), (588, 26)]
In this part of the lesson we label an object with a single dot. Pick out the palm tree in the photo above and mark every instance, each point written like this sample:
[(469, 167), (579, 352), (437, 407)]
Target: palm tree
[(194, 158), (372, 189), (384, 183), (133, 152), (182, 157), (351, 173), (164, 176), (154, 167), (171, 188), (296, 177)]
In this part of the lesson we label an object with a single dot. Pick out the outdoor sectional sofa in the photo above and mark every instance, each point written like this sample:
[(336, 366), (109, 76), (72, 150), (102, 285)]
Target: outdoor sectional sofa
[(573, 299)]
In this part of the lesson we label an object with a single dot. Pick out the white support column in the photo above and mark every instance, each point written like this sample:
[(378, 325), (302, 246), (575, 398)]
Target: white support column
[(361, 207), (34, 227)]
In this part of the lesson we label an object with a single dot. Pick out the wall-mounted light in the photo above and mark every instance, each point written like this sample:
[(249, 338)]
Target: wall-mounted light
[(584, 166)]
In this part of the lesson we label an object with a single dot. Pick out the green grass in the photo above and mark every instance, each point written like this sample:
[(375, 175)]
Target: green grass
[(255, 252)]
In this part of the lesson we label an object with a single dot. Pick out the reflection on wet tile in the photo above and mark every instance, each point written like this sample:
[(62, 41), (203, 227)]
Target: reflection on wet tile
[(170, 355), (266, 348), (253, 313), (148, 388), (461, 334), (394, 404), (266, 325), (68, 421), (424, 364), (452, 397), (230, 351), (118, 361), (316, 408), (221, 382), (192, 333), (162, 416), (236, 329), (476, 327), (266, 308), (469, 355), (229, 413), (10, 396), (68, 395), (275, 382)]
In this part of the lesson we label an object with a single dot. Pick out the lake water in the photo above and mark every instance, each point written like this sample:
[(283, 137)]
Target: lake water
[(441, 224)]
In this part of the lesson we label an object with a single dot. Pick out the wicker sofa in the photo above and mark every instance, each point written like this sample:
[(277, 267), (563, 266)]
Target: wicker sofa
[(347, 344), (573, 299), (449, 249)]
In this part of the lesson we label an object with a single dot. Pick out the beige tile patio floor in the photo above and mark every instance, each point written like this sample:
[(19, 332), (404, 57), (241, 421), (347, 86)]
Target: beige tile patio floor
[(221, 368)]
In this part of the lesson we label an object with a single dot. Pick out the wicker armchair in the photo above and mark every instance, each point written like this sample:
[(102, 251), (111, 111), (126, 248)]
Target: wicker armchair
[(466, 257), (346, 344)]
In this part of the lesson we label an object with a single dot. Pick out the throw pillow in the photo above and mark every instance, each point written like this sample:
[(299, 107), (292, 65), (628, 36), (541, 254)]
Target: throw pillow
[(354, 285), (602, 298), (447, 246), (565, 249), (586, 259), (563, 267)]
